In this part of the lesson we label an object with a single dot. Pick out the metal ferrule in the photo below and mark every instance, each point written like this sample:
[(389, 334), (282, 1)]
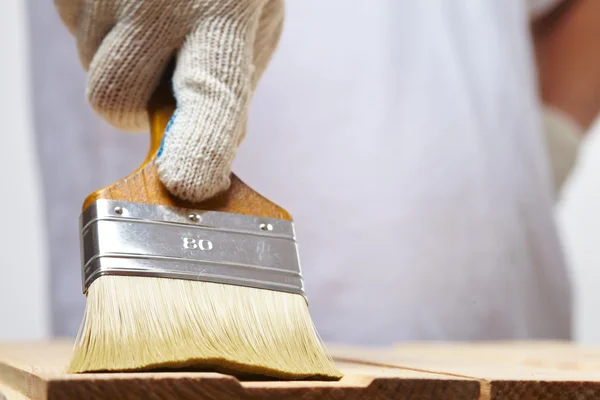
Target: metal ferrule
[(135, 239)]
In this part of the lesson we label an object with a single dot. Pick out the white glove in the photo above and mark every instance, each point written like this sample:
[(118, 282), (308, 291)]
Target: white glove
[(563, 139), (222, 46)]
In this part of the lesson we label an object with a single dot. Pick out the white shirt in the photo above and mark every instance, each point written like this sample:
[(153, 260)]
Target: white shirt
[(404, 137)]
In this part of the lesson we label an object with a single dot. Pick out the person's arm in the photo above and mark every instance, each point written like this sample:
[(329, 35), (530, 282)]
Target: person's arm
[(566, 37), (567, 47)]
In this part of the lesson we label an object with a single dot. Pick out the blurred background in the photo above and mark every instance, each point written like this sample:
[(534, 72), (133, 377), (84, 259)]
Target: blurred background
[(38, 58)]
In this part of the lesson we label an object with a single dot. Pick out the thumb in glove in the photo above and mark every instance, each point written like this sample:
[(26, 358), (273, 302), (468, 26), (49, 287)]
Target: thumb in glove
[(213, 83)]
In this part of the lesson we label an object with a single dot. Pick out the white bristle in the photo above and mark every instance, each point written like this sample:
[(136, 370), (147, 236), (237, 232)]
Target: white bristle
[(138, 323)]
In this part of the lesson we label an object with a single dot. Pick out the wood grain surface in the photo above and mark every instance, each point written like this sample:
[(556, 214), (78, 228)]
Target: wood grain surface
[(448, 371), (505, 370), (35, 371)]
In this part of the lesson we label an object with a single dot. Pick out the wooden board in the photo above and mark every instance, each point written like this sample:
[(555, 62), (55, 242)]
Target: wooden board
[(35, 371), (505, 370), (448, 371)]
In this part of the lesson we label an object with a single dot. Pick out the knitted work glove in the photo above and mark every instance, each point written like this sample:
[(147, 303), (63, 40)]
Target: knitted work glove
[(222, 46)]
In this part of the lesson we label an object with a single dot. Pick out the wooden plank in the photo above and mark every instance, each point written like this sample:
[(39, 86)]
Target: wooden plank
[(8, 393), (506, 370), (35, 371), (517, 370)]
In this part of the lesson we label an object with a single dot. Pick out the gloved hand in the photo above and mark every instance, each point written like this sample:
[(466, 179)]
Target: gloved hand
[(223, 47)]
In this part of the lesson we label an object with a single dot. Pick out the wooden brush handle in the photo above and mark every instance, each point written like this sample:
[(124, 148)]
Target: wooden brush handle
[(144, 186)]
